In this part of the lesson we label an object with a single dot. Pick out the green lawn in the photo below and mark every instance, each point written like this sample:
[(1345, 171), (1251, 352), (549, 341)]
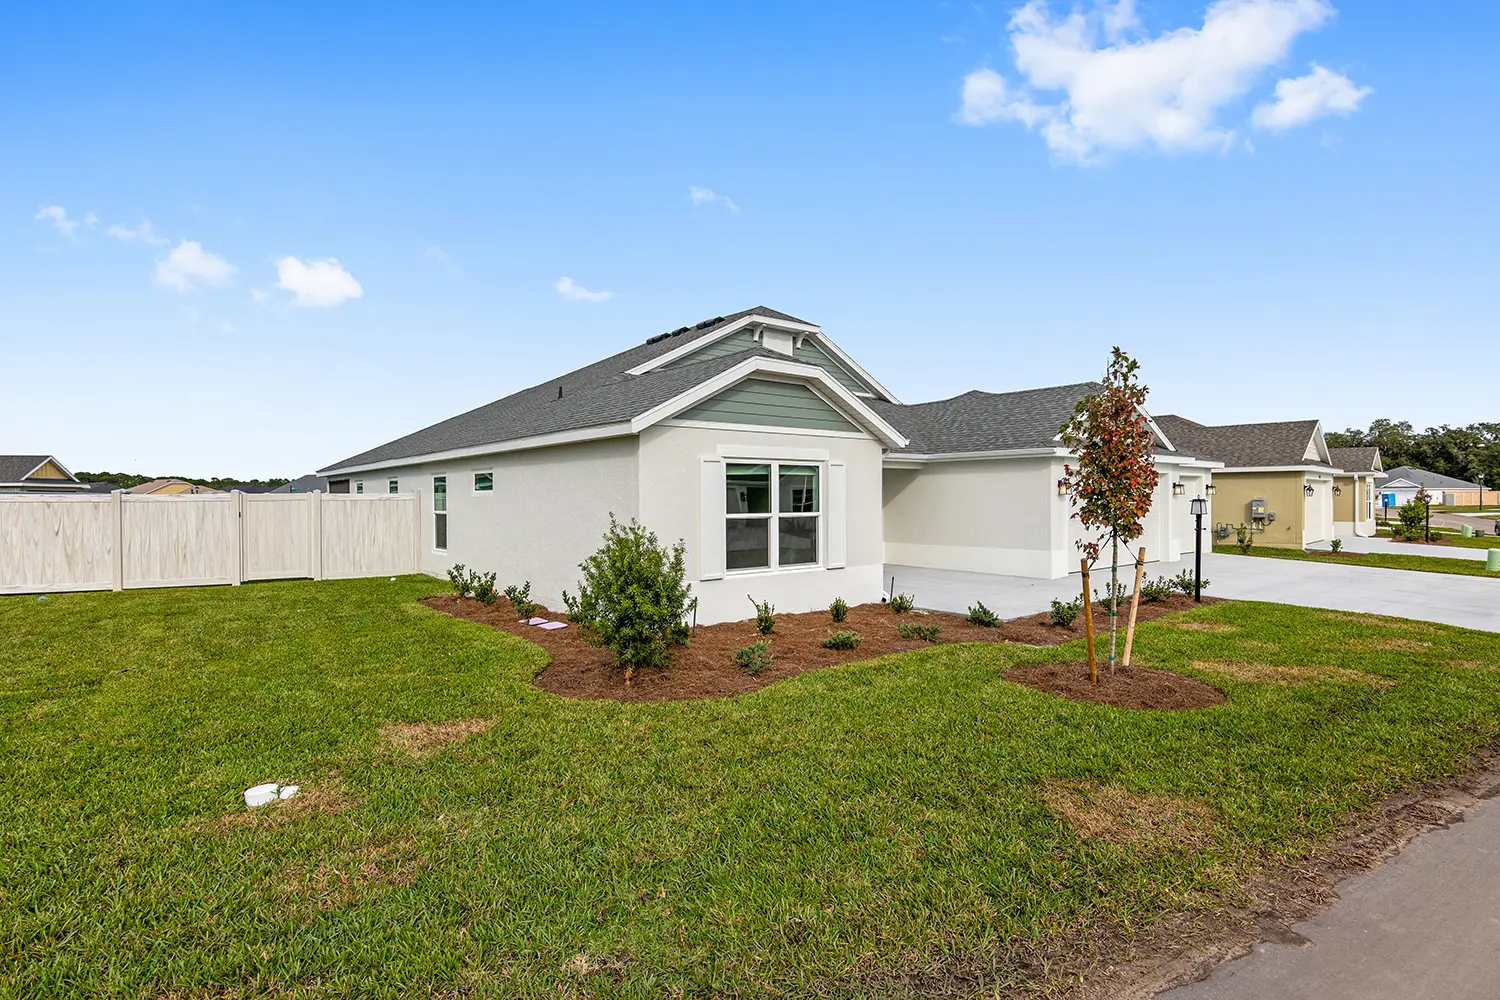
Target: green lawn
[(1383, 560), (820, 837)]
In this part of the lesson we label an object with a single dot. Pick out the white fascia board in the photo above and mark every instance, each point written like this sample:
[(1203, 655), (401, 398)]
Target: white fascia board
[(1188, 461), (1314, 469), (898, 461), (683, 350), (842, 398), (855, 366), (1161, 435), (620, 429)]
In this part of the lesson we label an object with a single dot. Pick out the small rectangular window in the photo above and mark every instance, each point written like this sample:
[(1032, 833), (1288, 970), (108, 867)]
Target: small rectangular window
[(359, 486), (392, 486), (484, 482), (440, 512)]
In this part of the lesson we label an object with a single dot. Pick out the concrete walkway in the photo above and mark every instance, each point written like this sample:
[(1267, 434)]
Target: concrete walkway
[(1468, 601), (1423, 926)]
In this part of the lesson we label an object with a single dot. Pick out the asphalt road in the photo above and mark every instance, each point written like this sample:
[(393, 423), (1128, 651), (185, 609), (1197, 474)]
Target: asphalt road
[(1423, 926)]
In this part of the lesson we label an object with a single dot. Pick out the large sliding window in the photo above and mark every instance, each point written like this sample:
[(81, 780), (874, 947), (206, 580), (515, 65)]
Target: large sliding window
[(772, 512), (440, 513)]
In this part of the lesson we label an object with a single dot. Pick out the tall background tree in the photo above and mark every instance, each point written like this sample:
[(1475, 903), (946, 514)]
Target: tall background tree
[(1462, 452), (1114, 479)]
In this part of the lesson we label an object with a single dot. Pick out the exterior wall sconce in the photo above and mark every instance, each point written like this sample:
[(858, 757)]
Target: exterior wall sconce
[(1338, 490), (1308, 489), (1062, 487), (1178, 489), (1210, 489)]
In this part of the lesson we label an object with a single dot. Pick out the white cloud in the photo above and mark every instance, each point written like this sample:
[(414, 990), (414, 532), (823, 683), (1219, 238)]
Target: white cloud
[(189, 264), (143, 233), (1115, 94), (567, 287), (58, 216), (707, 196), (1301, 99), (316, 284)]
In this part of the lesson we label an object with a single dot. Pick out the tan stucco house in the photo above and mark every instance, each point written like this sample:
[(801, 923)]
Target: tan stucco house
[(789, 472), (1277, 478), (37, 474), (1354, 499), (170, 487)]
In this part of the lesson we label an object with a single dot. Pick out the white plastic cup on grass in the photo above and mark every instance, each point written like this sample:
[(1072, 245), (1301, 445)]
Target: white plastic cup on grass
[(259, 795)]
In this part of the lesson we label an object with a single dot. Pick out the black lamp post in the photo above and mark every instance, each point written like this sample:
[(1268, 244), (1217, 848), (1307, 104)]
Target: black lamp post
[(1198, 507)]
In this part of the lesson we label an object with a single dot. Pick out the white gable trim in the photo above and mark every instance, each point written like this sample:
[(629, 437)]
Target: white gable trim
[(818, 379), (697, 344), (620, 429), (854, 366), (54, 461)]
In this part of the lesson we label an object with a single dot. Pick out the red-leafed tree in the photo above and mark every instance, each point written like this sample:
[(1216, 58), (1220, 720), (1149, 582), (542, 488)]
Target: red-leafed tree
[(1114, 480)]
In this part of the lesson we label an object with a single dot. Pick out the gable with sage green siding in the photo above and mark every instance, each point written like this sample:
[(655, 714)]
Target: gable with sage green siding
[(767, 403), (809, 353)]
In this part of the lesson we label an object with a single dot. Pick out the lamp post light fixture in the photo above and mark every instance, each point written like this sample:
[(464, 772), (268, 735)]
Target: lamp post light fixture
[(1198, 507)]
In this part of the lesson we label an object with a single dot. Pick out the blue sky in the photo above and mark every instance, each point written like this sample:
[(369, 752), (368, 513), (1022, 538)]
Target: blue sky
[(963, 195)]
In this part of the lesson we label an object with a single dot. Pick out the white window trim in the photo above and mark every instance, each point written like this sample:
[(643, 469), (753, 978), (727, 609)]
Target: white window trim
[(359, 486), (436, 512), (393, 485), (474, 482), (773, 531)]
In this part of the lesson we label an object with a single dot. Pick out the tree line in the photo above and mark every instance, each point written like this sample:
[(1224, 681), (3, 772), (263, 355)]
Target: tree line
[(125, 480), (1461, 452)]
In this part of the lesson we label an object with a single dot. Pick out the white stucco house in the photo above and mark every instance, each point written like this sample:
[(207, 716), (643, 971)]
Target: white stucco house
[(790, 473), (1401, 485)]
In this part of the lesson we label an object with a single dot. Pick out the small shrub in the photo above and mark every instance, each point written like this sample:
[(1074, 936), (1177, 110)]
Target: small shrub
[(902, 603), (520, 599), (1159, 589), (1337, 545), (755, 657), (633, 597), (1121, 592), (1244, 538), (1065, 613), (839, 609), (460, 580), (765, 616), (1413, 516), (914, 630), (1184, 581), (982, 616), (842, 640), (484, 588)]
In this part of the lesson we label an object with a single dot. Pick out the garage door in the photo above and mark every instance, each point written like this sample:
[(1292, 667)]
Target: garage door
[(1319, 514)]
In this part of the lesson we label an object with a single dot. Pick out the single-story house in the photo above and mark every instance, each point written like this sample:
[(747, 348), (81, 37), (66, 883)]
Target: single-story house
[(1277, 478), (170, 487), (789, 472), (310, 483), (1401, 484), (1354, 491), (37, 474)]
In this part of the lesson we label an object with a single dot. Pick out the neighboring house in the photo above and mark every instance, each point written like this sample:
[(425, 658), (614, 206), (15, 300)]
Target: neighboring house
[(248, 488), (1277, 478), (37, 474), (1354, 491), (789, 472), (305, 484), (1401, 484), (170, 487)]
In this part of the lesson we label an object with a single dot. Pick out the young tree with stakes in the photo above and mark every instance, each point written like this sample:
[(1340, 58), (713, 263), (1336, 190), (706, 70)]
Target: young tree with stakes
[(1112, 485)]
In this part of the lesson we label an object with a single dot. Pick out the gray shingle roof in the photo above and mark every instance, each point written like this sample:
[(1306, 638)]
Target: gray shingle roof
[(1431, 480), (598, 394), (14, 467), (1356, 459), (1242, 445), (985, 421)]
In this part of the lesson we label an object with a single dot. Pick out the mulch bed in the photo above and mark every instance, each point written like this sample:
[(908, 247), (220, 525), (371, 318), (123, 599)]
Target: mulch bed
[(1127, 687), (705, 668)]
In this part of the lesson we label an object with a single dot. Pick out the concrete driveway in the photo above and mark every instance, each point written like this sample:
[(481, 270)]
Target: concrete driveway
[(1468, 601), (1423, 926)]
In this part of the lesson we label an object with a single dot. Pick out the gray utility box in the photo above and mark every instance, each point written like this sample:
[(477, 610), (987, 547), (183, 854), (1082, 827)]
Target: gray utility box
[(1259, 515)]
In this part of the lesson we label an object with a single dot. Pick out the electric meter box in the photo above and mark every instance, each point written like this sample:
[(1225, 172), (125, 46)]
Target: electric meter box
[(1258, 509)]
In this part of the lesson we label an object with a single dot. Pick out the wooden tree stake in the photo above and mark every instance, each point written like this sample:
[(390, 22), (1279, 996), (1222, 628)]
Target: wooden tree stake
[(1135, 602), (1088, 623)]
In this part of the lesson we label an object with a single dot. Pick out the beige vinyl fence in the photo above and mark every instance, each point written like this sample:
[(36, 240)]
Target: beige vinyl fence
[(52, 543)]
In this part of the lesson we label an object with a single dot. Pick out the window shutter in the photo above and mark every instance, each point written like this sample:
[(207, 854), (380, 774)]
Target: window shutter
[(711, 519), (835, 517)]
